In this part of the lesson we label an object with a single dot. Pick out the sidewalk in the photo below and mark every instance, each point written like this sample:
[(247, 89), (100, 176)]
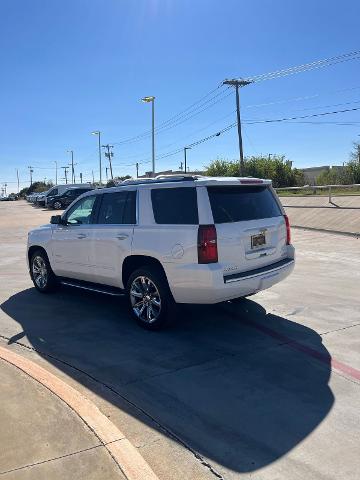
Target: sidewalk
[(42, 438)]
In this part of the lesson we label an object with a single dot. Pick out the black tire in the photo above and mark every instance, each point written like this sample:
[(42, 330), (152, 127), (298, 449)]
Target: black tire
[(161, 316), (57, 205), (44, 281)]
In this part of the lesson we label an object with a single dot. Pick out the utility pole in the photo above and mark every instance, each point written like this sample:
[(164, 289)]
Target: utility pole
[(181, 166), (18, 182), (72, 166), (80, 177), (31, 172), (237, 83), (106, 171), (92, 172), (5, 185), (109, 155), (185, 162), (65, 173), (56, 168), (137, 170)]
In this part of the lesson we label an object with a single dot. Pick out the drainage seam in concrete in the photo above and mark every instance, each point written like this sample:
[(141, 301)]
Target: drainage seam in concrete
[(138, 469), (35, 464), (166, 430)]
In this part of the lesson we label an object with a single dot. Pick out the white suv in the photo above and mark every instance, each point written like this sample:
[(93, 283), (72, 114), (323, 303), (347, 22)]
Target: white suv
[(166, 241)]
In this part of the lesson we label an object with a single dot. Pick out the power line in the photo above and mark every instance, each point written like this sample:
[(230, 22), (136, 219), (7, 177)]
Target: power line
[(180, 120), (345, 57), (250, 122)]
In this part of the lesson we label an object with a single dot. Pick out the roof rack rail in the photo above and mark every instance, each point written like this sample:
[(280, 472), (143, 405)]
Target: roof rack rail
[(160, 179)]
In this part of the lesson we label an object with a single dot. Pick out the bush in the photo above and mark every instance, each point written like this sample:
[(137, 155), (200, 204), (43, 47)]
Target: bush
[(278, 169)]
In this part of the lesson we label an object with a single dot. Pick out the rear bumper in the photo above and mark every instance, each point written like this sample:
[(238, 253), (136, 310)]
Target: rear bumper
[(274, 268), (207, 283)]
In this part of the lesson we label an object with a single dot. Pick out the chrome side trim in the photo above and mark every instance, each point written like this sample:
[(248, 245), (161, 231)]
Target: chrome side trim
[(264, 272), (92, 289)]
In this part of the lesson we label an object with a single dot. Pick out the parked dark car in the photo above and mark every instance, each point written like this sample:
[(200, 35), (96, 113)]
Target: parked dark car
[(64, 199)]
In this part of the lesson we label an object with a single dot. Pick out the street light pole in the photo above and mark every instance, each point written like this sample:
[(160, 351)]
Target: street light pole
[(237, 83), (98, 133), (151, 99)]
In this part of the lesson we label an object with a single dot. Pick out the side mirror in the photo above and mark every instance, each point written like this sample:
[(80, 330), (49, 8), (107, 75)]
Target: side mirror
[(56, 220)]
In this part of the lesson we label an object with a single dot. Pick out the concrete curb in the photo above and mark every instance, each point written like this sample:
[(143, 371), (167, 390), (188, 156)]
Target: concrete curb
[(127, 457)]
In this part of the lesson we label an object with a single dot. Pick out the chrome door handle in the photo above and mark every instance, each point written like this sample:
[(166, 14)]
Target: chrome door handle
[(81, 235), (122, 236)]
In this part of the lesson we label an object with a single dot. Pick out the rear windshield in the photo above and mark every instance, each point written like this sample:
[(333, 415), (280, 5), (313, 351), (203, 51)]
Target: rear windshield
[(237, 204)]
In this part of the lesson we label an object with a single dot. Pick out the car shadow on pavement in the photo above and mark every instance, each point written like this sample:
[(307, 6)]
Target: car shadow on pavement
[(218, 380)]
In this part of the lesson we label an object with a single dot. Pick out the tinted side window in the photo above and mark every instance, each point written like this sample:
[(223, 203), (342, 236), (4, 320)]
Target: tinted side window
[(118, 208), (53, 192), (175, 206), (236, 204), (82, 211)]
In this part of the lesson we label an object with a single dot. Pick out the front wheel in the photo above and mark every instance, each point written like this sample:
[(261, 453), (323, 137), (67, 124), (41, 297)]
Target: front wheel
[(150, 300), (41, 272), (58, 205)]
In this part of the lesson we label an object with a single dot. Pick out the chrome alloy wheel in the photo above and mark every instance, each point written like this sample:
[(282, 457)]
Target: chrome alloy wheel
[(39, 271), (145, 299), (57, 205)]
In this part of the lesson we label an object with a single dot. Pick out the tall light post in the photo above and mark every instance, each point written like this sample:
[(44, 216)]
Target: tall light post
[(151, 100), (98, 133)]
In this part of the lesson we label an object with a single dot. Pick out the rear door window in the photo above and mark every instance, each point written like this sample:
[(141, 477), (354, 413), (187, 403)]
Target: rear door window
[(240, 203), (118, 208), (175, 206)]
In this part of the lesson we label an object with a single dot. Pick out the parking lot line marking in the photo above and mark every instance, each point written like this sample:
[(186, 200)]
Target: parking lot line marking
[(300, 347), (127, 457)]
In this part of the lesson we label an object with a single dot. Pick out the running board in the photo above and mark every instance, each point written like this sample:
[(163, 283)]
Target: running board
[(93, 287)]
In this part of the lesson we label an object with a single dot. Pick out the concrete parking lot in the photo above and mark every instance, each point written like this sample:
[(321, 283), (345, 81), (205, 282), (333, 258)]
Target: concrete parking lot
[(266, 389)]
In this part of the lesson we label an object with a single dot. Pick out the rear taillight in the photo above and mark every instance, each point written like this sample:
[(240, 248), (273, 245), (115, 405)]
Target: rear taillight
[(288, 231), (207, 244)]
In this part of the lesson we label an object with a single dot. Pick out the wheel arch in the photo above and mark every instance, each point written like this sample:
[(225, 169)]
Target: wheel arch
[(133, 262), (33, 249)]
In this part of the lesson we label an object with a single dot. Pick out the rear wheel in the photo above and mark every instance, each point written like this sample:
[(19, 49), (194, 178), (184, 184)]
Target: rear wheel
[(58, 205), (150, 300), (41, 273)]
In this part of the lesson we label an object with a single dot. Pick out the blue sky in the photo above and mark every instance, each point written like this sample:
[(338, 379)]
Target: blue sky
[(73, 66)]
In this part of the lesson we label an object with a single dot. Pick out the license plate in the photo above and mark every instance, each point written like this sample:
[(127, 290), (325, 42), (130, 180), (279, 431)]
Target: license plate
[(258, 240)]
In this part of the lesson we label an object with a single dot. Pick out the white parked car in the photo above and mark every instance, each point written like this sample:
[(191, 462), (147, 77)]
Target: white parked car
[(167, 241)]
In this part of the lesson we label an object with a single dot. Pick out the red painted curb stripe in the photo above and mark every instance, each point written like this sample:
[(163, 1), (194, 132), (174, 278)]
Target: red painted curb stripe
[(311, 352)]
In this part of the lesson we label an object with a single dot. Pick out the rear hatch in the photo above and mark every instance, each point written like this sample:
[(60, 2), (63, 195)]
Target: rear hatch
[(251, 229)]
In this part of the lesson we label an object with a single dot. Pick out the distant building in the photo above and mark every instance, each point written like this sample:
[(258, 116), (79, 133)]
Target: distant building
[(311, 174)]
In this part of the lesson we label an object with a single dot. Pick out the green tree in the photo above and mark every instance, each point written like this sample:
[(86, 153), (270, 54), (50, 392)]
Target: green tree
[(39, 187), (277, 168), (117, 180)]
